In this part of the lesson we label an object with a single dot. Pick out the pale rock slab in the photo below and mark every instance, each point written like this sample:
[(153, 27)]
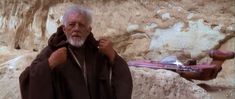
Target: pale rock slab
[(164, 84), (195, 40)]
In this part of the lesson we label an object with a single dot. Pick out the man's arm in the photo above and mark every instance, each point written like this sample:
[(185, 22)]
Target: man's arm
[(36, 80), (121, 78)]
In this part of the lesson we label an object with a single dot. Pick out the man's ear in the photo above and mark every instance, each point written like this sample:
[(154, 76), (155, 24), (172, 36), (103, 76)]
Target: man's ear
[(90, 28)]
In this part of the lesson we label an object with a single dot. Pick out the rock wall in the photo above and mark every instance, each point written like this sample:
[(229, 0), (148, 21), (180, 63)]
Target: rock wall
[(140, 29), (188, 28)]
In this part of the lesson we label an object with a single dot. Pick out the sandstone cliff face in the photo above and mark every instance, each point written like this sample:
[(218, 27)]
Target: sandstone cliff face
[(28, 25), (139, 29)]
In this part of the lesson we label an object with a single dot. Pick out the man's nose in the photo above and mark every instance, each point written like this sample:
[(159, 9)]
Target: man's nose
[(76, 27)]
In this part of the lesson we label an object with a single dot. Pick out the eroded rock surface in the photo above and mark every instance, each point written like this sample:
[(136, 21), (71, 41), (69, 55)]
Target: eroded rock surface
[(164, 84), (140, 29)]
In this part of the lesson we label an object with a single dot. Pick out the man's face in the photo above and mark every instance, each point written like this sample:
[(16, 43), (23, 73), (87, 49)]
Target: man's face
[(77, 29)]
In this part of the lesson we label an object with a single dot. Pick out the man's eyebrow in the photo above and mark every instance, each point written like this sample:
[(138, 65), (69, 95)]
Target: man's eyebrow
[(72, 22)]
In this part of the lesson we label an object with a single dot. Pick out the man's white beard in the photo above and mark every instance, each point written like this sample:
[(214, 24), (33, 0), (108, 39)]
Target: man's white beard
[(77, 42)]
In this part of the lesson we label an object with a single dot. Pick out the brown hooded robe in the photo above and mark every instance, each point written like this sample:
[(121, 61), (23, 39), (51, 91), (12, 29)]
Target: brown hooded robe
[(66, 81)]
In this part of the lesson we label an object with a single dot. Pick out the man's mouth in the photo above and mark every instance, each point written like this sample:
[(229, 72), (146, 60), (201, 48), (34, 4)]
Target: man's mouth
[(76, 36)]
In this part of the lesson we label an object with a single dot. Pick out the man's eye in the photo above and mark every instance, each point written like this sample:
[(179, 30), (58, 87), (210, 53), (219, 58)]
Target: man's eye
[(71, 24), (81, 25)]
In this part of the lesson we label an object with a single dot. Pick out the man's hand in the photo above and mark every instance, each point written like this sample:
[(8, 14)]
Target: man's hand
[(58, 57), (106, 47)]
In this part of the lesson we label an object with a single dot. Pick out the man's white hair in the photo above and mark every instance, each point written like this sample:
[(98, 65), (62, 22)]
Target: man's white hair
[(78, 10)]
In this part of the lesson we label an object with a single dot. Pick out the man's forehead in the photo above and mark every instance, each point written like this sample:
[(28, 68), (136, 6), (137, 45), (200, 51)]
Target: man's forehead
[(76, 16)]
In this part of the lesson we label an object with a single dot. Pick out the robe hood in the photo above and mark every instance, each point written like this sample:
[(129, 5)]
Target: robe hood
[(58, 39)]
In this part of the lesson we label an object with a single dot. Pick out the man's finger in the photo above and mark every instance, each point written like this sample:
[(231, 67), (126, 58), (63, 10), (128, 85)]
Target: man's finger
[(63, 48), (103, 44), (102, 40), (103, 37)]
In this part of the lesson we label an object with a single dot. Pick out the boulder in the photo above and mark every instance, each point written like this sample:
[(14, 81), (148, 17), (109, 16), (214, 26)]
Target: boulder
[(164, 84)]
